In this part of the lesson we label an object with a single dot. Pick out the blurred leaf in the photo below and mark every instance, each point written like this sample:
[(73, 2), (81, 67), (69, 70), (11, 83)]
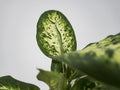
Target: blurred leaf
[(100, 60), (56, 81), (103, 86), (9, 83), (83, 84), (87, 83)]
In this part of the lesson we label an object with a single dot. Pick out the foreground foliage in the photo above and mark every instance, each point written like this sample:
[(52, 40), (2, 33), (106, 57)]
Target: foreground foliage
[(9, 83)]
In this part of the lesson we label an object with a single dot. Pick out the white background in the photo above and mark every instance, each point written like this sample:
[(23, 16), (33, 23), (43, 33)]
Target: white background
[(20, 56)]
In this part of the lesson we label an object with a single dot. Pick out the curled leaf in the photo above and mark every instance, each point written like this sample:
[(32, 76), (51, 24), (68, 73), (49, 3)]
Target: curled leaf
[(56, 81)]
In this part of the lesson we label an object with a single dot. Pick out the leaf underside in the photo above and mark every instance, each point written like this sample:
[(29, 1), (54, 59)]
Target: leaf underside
[(56, 81)]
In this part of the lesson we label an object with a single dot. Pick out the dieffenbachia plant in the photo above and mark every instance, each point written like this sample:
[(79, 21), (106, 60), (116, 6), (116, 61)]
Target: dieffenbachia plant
[(56, 39), (55, 36), (100, 60), (95, 67)]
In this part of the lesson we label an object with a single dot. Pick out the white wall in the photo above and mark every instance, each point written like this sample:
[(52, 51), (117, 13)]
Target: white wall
[(92, 21)]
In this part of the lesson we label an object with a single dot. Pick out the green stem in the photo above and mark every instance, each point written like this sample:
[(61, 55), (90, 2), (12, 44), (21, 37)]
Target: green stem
[(56, 66)]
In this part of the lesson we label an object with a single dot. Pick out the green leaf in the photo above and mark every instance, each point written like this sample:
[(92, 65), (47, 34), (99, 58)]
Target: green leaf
[(9, 83), (87, 83), (83, 84), (56, 81), (102, 86), (55, 34), (100, 60)]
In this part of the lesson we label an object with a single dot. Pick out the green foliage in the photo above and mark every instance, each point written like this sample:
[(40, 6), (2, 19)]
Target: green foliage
[(83, 84), (55, 34), (95, 67), (100, 60), (9, 83), (87, 83), (56, 81)]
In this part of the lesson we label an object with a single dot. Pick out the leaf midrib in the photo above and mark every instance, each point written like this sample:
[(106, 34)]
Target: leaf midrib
[(59, 35)]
